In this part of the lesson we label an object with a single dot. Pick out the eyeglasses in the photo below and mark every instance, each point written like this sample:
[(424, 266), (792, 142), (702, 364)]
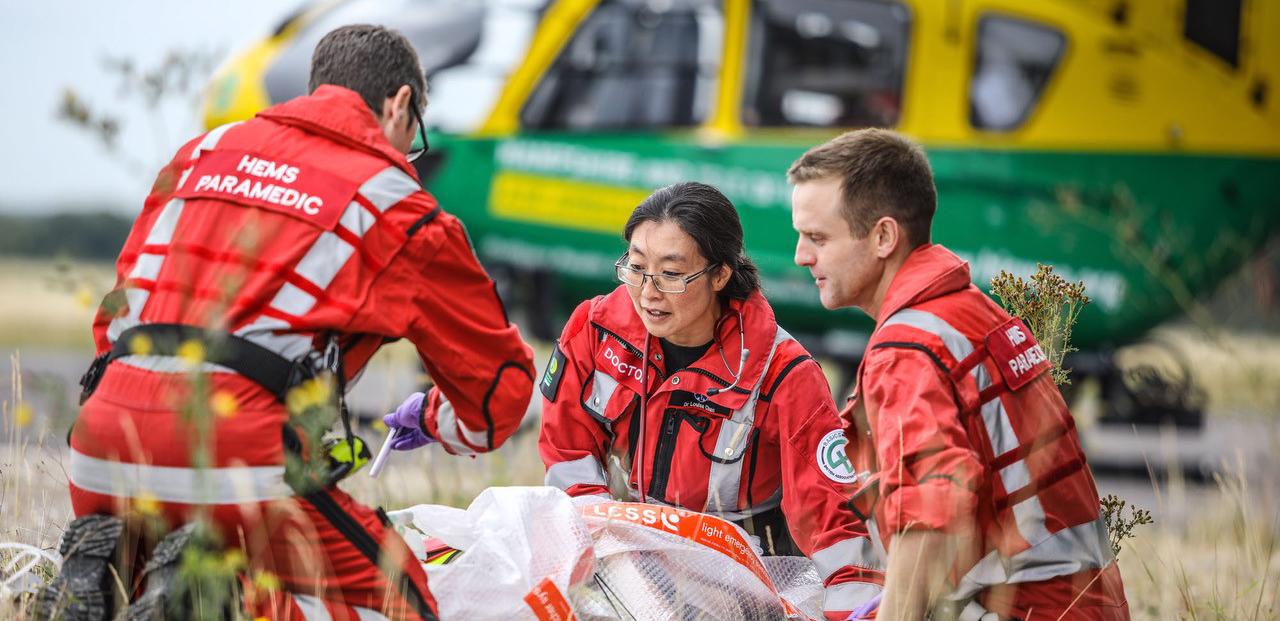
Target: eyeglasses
[(666, 283), (419, 145)]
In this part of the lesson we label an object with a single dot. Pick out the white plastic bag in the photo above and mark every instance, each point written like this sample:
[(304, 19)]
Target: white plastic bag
[(513, 539)]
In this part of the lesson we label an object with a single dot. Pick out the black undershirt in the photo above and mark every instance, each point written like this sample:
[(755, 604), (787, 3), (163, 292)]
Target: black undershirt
[(678, 357)]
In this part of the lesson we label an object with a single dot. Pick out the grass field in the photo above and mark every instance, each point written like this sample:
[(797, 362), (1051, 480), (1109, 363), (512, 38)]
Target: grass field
[(1220, 562)]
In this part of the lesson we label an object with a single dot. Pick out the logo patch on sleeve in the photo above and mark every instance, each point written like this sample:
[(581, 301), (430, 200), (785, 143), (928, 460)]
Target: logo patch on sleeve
[(550, 383), (1016, 353), (833, 461)]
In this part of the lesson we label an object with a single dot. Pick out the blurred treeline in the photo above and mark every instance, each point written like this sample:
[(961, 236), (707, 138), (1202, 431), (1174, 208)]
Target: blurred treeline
[(91, 236)]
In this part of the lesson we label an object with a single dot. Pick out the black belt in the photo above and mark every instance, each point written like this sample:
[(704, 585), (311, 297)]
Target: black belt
[(268, 369)]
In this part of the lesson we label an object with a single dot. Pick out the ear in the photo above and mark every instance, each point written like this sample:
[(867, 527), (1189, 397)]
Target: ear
[(886, 235), (721, 278), (396, 107)]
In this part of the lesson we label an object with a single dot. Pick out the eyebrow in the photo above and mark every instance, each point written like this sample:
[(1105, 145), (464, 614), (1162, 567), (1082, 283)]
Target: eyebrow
[(675, 256)]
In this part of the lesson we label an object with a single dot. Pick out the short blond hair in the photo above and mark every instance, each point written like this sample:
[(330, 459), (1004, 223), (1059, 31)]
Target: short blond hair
[(882, 173)]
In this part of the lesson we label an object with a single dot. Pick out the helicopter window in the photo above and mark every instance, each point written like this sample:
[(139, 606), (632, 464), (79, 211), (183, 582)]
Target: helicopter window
[(467, 49), (632, 65), (1215, 26), (1015, 59), (826, 63)]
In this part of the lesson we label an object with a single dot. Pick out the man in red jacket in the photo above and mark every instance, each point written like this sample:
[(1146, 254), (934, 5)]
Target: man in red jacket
[(643, 401), (972, 473), (272, 254)]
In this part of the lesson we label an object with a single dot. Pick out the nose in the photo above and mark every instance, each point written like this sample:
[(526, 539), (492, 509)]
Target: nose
[(649, 289), (804, 256)]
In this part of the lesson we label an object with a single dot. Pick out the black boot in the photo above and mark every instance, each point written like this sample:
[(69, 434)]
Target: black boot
[(170, 596), (85, 588)]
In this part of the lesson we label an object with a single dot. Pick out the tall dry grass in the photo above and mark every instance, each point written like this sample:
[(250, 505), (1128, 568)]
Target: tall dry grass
[(1220, 562)]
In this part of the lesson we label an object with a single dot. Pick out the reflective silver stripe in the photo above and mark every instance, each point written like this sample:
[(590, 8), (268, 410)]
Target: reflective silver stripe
[(846, 596), (211, 139), (321, 263), (169, 364), (166, 223), (357, 219), (1066, 552), (582, 471), (147, 267), (852, 551), (1051, 554), (329, 253), (724, 481), (369, 614), (261, 332), (1029, 514), (956, 343), (161, 233), (312, 607), (390, 186), (136, 299), (293, 300), (767, 504), (447, 423), (602, 387), (974, 611), (232, 485)]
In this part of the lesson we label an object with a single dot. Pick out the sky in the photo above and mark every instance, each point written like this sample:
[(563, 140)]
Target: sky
[(49, 45)]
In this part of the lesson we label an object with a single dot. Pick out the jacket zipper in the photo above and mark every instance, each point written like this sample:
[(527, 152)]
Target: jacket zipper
[(664, 454)]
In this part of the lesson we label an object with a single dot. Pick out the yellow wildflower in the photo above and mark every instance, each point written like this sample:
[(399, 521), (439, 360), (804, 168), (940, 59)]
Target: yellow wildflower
[(191, 352), (266, 581), (147, 504), (233, 559), (140, 344), (309, 394), (22, 415), (84, 298), (223, 404)]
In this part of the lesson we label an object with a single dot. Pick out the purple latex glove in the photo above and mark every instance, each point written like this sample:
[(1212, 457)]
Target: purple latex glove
[(407, 421), (865, 610)]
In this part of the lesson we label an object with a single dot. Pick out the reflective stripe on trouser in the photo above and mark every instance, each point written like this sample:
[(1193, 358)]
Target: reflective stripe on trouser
[(846, 596), (232, 485)]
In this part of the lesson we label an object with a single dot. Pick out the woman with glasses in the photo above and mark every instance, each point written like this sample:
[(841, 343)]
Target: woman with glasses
[(680, 388)]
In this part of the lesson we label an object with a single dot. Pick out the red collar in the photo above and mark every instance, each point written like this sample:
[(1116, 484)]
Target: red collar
[(339, 114), (616, 315), (930, 271)]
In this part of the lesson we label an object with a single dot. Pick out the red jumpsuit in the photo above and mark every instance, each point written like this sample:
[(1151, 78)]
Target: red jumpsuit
[(300, 224), (967, 433), (772, 442)]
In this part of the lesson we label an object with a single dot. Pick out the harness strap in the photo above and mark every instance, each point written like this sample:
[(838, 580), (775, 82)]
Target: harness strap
[(268, 369), (1022, 451)]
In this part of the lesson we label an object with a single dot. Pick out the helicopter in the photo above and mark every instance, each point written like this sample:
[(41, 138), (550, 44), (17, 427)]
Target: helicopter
[(1134, 145)]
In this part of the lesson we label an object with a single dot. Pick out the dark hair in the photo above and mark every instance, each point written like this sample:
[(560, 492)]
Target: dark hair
[(370, 60), (711, 220), (882, 173)]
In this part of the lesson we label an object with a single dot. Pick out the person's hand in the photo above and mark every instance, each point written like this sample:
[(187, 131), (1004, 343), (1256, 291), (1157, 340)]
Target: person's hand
[(407, 423), (866, 610)]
